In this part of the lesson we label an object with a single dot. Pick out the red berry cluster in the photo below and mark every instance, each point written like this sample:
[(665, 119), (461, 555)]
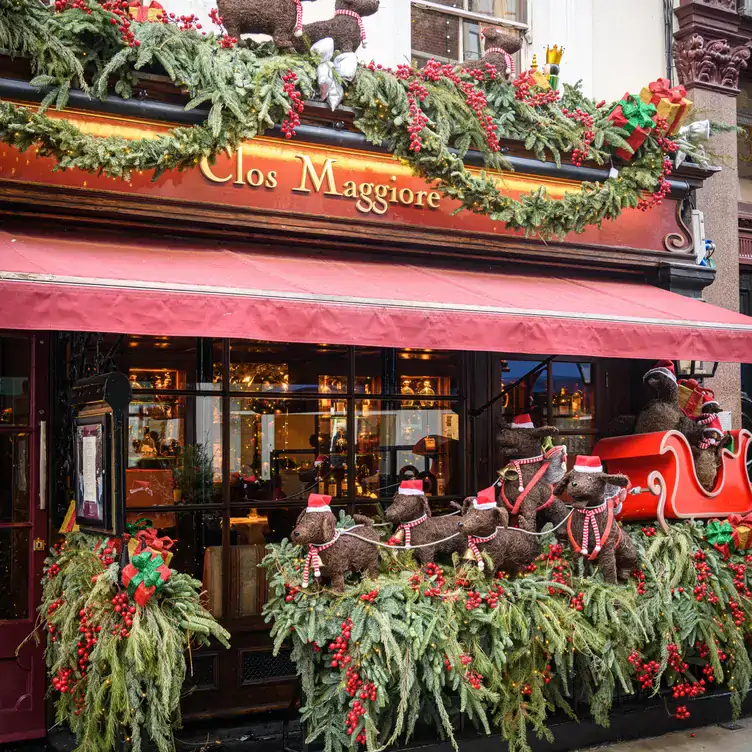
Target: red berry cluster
[(530, 568), (548, 674), (639, 575), (649, 532), (61, 5), (466, 659), (704, 576), (414, 581), (577, 602), (522, 86), (664, 187), (353, 719), (737, 614), (53, 570), (474, 678), (489, 73), (477, 102), (586, 120), (447, 663), (560, 572), (61, 681), (374, 66), (739, 572), (689, 689), (679, 591), (292, 591), (645, 672), (493, 595), (121, 18), (187, 22), (292, 120), (215, 17), (354, 682), (435, 572), (370, 597), (340, 645), (675, 660), (474, 600), (394, 541), (682, 713), (368, 692), (87, 640), (418, 119), (105, 553), (120, 603)]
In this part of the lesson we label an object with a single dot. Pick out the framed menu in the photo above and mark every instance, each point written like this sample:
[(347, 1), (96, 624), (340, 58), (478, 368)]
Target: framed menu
[(94, 492)]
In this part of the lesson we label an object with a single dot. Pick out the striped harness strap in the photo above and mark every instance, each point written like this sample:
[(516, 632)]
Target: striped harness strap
[(298, 18), (525, 490), (507, 57), (473, 541), (590, 520), (354, 15), (407, 527), (314, 559)]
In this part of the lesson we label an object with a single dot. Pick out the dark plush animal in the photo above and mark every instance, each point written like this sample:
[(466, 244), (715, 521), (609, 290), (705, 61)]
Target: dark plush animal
[(346, 28), (708, 452), (510, 549), (280, 19), (521, 446), (500, 45), (663, 413), (406, 508), (589, 489), (347, 554)]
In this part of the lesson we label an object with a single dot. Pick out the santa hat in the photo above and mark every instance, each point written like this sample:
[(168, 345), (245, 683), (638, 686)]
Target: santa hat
[(588, 464), (411, 488), (713, 428), (522, 421), (708, 398), (486, 499), (318, 503), (664, 367)]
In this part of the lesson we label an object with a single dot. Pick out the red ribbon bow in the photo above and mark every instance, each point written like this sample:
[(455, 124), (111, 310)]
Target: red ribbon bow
[(662, 87), (737, 519), (149, 539)]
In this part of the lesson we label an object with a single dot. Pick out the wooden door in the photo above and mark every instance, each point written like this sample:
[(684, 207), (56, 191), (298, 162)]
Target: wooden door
[(23, 530)]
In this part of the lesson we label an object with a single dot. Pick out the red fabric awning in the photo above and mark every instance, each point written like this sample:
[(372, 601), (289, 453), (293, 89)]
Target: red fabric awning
[(182, 289)]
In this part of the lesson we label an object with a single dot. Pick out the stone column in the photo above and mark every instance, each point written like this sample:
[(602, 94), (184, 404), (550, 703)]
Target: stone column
[(709, 52)]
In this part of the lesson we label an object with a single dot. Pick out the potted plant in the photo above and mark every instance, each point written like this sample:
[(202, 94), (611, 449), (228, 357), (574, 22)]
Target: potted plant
[(194, 475)]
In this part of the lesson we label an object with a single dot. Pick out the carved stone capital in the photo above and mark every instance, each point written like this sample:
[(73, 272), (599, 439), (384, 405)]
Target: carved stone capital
[(710, 63)]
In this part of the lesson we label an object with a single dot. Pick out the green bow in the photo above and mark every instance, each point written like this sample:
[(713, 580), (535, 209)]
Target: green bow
[(637, 113), (148, 571), (140, 524), (719, 533)]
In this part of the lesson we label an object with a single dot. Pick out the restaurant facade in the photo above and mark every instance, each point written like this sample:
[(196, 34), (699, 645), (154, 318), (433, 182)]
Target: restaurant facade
[(303, 316)]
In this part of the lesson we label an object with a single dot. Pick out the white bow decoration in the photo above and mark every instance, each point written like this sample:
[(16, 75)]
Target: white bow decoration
[(688, 137), (332, 72)]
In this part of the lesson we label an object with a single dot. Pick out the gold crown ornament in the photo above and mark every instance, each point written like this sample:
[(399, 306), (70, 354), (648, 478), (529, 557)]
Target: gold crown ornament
[(554, 54), (534, 64)]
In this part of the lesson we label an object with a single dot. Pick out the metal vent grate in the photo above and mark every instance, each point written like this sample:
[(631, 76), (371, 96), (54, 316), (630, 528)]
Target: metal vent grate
[(204, 672), (259, 666)]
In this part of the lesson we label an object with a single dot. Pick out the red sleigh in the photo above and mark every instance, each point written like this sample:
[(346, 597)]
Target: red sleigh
[(661, 465)]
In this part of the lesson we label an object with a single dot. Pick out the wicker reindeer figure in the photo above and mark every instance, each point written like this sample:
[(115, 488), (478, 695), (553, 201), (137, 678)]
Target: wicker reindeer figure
[(500, 45), (528, 476), (331, 551), (593, 532), (411, 511), (708, 451), (281, 19), (484, 527), (346, 28)]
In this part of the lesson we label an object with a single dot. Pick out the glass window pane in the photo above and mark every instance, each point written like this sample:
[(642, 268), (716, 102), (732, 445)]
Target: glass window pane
[(427, 373), (174, 450), (471, 43), (573, 398), (280, 367), (14, 572), (435, 34), (527, 397), (15, 365), (507, 10), (576, 445), (371, 364), (285, 449), (14, 477), (396, 441)]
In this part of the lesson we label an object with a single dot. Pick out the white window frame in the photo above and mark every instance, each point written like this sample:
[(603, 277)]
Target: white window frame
[(462, 14)]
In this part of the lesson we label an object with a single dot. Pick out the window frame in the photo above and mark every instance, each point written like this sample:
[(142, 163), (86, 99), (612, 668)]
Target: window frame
[(463, 14)]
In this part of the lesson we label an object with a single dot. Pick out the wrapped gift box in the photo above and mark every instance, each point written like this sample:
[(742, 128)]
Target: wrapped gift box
[(670, 103), (637, 118)]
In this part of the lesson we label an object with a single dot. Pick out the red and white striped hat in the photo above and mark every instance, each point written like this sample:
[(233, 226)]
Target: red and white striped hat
[(411, 488), (588, 464), (318, 503), (714, 428), (522, 421), (708, 397), (486, 499), (664, 367)]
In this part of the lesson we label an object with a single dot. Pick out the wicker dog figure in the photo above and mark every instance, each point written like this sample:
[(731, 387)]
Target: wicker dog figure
[(331, 551), (527, 478), (500, 45), (346, 28), (410, 509), (592, 530), (708, 452), (281, 19), (484, 526)]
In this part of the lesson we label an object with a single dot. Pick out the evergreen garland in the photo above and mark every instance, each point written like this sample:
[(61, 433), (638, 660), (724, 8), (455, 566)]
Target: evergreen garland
[(117, 668), (428, 644), (428, 119)]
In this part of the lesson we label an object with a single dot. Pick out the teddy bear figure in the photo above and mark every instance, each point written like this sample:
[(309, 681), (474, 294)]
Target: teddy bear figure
[(500, 45), (280, 19), (593, 532), (346, 28), (331, 550)]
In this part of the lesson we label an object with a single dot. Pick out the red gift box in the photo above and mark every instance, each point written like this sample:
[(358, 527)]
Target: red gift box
[(142, 13)]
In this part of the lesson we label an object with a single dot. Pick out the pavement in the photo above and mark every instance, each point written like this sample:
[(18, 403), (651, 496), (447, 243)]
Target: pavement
[(707, 739)]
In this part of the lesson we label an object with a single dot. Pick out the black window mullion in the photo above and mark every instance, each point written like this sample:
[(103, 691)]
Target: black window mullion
[(226, 540), (350, 402)]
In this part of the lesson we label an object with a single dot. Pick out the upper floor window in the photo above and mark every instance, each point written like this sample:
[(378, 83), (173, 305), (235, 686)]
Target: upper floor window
[(450, 30)]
